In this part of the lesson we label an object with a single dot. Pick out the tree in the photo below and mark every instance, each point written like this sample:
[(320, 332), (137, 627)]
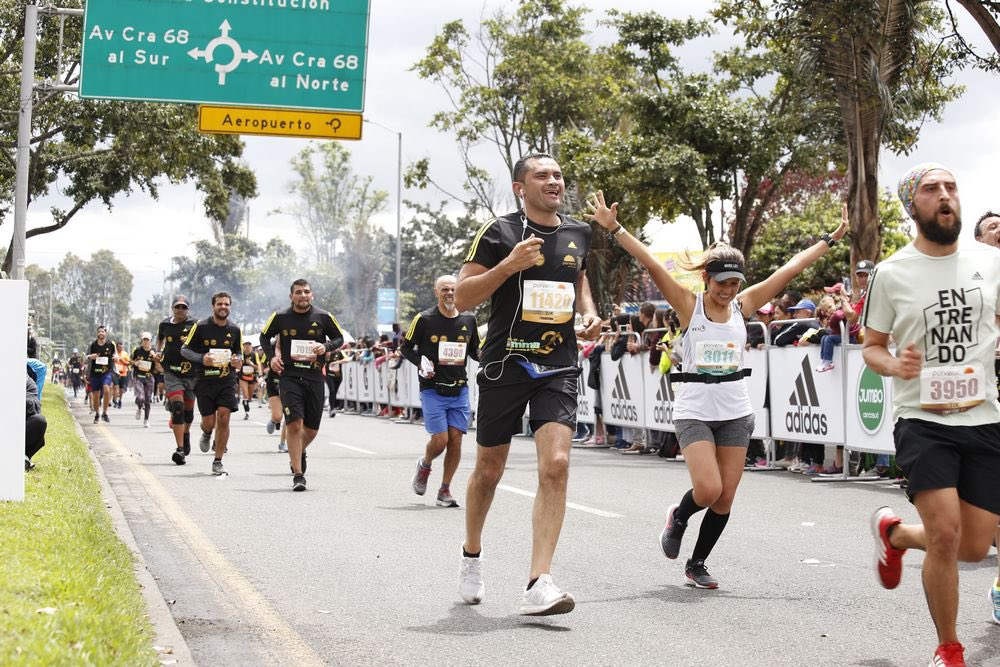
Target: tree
[(793, 230), (986, 13), (434, 244), (876, 65), (519, 82), (97, 149), (334, 210)]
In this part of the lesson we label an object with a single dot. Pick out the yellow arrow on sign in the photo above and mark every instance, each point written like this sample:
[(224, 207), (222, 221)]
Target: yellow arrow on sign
[(279, 122)]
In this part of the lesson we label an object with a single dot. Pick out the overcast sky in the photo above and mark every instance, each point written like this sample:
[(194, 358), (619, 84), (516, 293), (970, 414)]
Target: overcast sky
[(145, 234)]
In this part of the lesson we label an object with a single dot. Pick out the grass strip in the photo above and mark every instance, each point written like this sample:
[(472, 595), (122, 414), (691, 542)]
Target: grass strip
[(68, 595)]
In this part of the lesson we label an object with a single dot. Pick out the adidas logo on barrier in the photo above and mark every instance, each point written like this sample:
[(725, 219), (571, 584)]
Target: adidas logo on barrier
[(804, 416), (663, 410), (622, 406)]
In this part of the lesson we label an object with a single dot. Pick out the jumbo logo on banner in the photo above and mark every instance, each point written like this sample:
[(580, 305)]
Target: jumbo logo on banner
[(871, 401)]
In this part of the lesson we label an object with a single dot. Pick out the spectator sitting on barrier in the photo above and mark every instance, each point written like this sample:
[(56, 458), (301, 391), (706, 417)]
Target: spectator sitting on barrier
[(844, 312), (34, 422)]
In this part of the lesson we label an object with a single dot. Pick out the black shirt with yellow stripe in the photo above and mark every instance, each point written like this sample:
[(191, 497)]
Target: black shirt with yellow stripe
[(170, 337), (205, 336), (533, 312), (446, 341), (294, 330)]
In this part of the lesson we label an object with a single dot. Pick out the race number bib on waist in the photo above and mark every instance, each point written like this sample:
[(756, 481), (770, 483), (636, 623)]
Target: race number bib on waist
[(76, 371), (451, 354), (101, 361), (547, 301), (949, 389), (716, 357), (248, 370), (144, 365), (220, 356), (302, 350)]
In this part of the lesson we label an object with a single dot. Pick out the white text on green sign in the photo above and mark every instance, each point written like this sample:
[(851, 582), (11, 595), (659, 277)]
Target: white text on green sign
[(298, 54)]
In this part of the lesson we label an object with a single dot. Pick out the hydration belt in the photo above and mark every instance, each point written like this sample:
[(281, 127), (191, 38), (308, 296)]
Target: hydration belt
[(710, 379)]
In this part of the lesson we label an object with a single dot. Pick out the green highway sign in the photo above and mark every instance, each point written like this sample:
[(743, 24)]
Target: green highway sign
[(290, 54)]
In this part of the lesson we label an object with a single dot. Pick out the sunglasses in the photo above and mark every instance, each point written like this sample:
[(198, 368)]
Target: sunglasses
[(181, 306)]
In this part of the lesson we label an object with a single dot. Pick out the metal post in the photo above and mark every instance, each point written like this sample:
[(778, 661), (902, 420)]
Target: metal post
[(399, 208), (24, 140)]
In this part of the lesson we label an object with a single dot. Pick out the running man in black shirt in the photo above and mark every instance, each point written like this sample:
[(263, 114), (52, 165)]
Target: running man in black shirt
[(178, 375), (438, 342), (214, 345), (101, 356), (142, 361), (305, 334), (75, 370), (531, 264)]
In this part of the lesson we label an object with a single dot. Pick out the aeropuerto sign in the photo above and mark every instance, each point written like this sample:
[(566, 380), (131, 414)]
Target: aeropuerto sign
[(289, 54)]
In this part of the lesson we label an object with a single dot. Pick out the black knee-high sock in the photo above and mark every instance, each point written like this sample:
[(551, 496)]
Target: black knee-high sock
[(711, 529), (687, 508), (246, 406)]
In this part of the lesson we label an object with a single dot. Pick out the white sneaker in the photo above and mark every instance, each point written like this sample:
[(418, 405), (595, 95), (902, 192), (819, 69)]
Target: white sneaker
[(545, 599), (824, 367), (145, 423), (470, 580)]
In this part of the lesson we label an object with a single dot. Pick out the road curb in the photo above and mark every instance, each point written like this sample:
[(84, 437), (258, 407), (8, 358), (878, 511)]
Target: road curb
[(169, 643)]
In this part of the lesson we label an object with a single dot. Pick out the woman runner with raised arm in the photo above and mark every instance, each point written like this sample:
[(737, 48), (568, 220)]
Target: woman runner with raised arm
[(712, 412)]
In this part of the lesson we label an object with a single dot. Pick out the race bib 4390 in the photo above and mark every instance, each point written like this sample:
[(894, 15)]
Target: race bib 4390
[(451, 354)]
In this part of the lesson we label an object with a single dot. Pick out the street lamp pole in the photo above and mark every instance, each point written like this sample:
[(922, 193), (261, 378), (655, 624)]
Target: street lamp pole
[(399, 207)]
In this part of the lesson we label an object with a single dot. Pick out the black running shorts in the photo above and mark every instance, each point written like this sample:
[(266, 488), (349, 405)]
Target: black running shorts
[(937, 456), (303, 399), (212, 395), (502, 403), (271, 382)]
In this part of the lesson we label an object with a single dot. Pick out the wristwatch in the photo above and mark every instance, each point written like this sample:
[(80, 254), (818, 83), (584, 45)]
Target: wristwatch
[(829, 240)]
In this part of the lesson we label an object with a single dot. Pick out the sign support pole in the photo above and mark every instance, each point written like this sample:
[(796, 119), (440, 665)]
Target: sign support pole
[(24, 140)]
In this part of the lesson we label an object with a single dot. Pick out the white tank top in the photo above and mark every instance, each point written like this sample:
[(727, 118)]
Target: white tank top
[(713, 348)]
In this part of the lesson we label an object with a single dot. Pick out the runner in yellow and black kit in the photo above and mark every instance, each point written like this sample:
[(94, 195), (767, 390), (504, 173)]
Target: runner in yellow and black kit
[(438, 342), (213, 344), (178, 375), (249, 372), (305, 334)]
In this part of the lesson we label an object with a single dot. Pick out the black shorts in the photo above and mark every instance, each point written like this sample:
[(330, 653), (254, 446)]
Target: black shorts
[(936, 456), (272, 384), (213, 394), (502, 403), (303, 399)]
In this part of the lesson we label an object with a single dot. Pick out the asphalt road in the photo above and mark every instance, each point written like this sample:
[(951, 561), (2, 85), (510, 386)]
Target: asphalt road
[(358, 570)]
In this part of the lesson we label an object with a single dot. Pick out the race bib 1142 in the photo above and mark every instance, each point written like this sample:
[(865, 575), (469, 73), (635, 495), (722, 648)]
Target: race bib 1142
[(547, 301)]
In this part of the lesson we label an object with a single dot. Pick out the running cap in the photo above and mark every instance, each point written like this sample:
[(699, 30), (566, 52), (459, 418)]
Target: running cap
[(146, 336), (76, 351), (908, 183), (865, 266), (725, 269), (805, 304), (181, 299), (766, 309)]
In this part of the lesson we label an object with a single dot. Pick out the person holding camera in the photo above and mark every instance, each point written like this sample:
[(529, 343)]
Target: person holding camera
[(439, 342)]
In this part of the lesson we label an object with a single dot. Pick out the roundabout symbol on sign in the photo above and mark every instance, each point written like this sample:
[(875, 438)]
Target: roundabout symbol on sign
[(224, 40)]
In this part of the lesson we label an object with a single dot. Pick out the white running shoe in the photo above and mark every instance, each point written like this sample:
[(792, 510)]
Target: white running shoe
[(545, 599), (145, 423), (470, 580)]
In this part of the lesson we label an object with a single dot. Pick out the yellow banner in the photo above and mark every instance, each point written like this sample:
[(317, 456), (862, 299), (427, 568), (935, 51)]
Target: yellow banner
[(690, 279)]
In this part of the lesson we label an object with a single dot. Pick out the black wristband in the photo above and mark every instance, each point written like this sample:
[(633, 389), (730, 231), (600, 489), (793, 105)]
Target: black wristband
[(829, 240), (618, 230)]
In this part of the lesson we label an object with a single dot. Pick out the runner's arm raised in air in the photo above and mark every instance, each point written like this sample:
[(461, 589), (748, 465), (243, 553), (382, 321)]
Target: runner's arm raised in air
[(757, 295), (585, 306), (680, 297)]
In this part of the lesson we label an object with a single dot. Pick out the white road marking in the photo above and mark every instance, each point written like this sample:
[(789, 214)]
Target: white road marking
[(353, 449), (574, 506)]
